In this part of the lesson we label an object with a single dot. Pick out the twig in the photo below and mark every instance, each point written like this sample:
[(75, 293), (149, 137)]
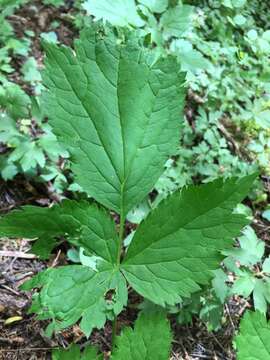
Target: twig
[(229, 314), (17, 254), (28, 349), (55, 261), (11, 290)]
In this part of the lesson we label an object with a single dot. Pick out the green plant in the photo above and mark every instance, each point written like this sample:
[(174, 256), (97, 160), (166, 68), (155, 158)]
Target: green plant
[(252, 341), (118, 113), (30, 146), (149, 340), (9, 43), (251, 271)]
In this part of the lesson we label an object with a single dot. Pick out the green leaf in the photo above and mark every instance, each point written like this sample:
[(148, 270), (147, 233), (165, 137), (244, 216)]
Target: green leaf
[(251, 248), (266, 214), (83, 224), (9, 171), (156, 6), (118, 12), (139, 212), (176, 21), (29, 155), (84, 288), (8, 131), (219, 285), (15, 101), (260, 295), (150, 339), (84, 291), (244, 285), (174, 250), (50, 37), (253, 341), (191, 59), (266, 265), (30, 71), (118, 116), (73, 353)]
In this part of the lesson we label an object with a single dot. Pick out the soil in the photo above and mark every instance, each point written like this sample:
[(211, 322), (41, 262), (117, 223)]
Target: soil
[(21, 334)]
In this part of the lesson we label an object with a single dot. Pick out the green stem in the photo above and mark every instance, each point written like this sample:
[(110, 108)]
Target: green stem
[(120, 243), (121, 238)]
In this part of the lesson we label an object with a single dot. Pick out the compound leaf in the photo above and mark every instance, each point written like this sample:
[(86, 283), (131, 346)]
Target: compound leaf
[(118, 116), (253, 340), (150, 339), (83, 224), (174, 250)]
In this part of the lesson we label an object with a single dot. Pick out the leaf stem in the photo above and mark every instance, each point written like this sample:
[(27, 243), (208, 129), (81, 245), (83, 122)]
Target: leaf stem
[(120, 243), (121, 237)]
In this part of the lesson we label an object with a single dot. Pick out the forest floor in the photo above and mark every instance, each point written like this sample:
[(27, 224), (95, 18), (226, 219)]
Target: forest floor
[(21, 334)]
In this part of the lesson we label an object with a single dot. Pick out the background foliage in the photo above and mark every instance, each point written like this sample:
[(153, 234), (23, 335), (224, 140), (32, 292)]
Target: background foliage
[(224, 48)]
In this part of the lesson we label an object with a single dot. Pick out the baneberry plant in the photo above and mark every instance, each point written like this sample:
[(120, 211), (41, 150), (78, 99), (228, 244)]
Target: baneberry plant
[(118, 113)]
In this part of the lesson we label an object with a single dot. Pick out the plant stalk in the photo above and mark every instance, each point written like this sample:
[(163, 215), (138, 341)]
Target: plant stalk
[(120, 243)]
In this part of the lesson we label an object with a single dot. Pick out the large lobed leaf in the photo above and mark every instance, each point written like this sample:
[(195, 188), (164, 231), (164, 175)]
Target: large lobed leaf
[(83, 288), (174, 250), (118, 115), (150, 339), (252, 343), (81, 223), (76, 292)]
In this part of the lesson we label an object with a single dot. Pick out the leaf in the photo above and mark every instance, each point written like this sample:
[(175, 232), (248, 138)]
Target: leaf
[(73, 353), (29, 155), (15, 101), (266, 214), (118, 116), (174, 250), (84, 291), (118, 12), (156, 6), (219, 285), (244, 285), (150, 339), (12, 319), (191, 59), (50, 37), (9, 171), (30, 71), (83, 288), (251, 248), (266, 265), (139, 212), (83, 224), (176, 21), (253, 341), (260, 295)]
